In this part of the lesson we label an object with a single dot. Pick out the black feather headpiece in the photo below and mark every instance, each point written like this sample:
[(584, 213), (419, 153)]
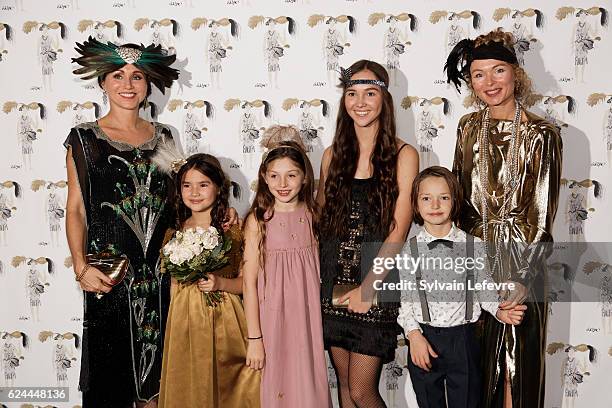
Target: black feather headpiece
[(458, 63)]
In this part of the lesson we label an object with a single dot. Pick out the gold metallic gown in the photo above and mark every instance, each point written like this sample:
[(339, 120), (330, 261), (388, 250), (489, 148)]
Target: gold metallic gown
[(517, 349), (204, 361)]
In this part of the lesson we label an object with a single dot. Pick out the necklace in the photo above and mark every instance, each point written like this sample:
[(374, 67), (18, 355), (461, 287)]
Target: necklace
[(510, 179)]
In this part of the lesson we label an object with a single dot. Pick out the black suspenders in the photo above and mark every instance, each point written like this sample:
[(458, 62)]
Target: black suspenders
[(469, 280)]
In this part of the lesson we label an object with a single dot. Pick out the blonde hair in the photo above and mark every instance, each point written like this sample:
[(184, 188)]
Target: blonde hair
[(522, 82)]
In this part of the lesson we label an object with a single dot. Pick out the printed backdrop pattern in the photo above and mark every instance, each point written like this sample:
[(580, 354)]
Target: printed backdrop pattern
[(246, 64)]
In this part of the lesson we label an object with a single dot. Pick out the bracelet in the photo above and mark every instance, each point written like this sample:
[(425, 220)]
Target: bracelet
[(255, 338), (83, 272)]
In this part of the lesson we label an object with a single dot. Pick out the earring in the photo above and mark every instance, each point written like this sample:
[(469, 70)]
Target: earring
[(104, 98), (145, 102)]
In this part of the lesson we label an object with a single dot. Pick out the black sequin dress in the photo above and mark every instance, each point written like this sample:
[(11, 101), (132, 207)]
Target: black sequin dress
[(126, 205), (375, 332)]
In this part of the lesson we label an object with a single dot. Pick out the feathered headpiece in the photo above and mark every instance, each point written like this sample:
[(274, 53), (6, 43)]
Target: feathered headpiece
[(98, 59), (458, 63)]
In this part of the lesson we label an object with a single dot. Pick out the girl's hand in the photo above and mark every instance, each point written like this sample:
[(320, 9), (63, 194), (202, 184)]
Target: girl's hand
[(256, 355), (355, 305), (512, 316), (95, 281), (209, 285), (420, 350)]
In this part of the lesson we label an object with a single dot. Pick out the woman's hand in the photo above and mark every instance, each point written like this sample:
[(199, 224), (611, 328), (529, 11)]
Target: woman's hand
[(512, 316), (209, 285), (356, 304), (256, 355), (96, 281), (231, 218)]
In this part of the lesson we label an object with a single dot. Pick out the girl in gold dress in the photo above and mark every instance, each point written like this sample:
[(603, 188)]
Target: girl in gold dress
[(508, 162), (205, 344)]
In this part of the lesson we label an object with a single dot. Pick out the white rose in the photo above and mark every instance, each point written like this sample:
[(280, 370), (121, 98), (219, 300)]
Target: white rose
[(175, 259), (210, 241)]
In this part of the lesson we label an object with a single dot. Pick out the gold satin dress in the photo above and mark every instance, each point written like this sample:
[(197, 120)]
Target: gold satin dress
[(520, 350), (204, 360)]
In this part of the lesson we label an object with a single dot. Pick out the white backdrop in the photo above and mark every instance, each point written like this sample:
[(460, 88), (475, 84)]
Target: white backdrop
[(31, 225)]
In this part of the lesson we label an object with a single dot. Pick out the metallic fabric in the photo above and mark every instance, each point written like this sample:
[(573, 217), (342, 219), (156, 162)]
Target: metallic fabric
[(205, 347), (517, 350)]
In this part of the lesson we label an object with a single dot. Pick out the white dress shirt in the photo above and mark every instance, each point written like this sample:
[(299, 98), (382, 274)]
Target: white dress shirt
[(446, 308)]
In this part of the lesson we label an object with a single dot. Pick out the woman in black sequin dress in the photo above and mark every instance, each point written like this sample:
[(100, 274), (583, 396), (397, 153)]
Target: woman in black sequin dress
[(364, 193), (117, 198)]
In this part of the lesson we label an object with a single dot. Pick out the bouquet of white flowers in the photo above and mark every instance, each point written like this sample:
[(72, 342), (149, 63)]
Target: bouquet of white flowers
[(191, 254)]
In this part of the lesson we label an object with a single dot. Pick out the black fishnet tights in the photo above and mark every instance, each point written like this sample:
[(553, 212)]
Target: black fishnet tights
[(358, 378)]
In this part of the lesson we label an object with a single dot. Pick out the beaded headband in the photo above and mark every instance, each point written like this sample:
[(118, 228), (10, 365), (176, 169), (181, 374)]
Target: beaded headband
[(347, 82)]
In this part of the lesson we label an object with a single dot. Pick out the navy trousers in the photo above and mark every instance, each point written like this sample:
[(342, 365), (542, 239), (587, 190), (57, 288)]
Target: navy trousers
[(457, 365)]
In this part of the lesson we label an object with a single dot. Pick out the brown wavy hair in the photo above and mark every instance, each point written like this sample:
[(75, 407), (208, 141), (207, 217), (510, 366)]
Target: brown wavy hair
[(454, 187), (209, 166), (522, 82), (262, 207), (343, 165)]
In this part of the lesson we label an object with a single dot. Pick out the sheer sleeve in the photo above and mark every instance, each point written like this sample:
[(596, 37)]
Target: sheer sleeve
[(74, 141)]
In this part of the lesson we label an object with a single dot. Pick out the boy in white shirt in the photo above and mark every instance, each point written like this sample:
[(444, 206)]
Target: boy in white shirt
[(438, 315)]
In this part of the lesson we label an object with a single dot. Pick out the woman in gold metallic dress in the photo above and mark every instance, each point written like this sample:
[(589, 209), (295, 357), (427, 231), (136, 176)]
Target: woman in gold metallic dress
[(508, 162)]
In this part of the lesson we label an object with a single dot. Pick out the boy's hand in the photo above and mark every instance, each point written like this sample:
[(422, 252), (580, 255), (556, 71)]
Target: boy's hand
[(512, 316), (420, 350)]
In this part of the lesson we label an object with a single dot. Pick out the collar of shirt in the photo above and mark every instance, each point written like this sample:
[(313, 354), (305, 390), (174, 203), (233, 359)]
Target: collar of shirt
[(455, 235)]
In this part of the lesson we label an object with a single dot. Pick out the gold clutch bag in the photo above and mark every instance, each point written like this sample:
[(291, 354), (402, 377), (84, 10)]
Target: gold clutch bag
[(115, 267), (340, 290)]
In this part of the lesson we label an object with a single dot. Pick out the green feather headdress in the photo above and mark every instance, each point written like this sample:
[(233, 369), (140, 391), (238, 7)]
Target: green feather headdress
[(98, 59)]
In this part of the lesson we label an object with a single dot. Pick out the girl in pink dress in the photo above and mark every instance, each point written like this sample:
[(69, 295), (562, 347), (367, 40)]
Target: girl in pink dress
[(281, 278)]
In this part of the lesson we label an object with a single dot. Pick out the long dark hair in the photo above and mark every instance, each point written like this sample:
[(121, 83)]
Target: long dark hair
[(343, 165), (209, 166), (262, 207)]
